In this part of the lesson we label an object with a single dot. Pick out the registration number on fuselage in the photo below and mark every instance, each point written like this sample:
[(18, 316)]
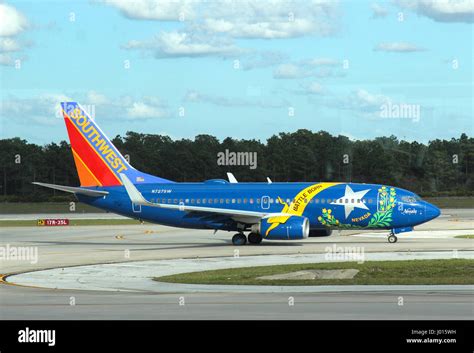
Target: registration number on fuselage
[(161, 191)]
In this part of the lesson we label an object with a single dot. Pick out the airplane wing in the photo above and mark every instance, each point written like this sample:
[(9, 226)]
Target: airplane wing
[(239, 215), (74, 190)]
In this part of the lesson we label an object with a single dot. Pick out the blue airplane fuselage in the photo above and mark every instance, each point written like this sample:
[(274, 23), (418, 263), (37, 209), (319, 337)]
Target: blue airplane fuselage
[(325, 205)]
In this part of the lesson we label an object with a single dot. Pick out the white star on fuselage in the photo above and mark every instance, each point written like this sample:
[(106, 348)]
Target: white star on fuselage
[(354, 199)]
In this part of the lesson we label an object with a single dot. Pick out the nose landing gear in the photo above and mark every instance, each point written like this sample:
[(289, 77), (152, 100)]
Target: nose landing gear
[(392, 238)]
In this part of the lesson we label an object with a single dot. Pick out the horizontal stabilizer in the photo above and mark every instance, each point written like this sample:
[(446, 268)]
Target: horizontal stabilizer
[(75, 190)]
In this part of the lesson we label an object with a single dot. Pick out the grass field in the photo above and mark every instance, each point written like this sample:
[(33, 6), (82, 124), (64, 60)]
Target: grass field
[(452, 271), (72, 222), (469, 236)]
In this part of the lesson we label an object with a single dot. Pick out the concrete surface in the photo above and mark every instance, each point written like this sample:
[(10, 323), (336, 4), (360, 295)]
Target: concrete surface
[(63, 247)]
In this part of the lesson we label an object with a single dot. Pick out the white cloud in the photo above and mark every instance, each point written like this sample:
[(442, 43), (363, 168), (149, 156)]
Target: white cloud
[(96, 98), (265, 29), (362, 99), (197, 97), (362, 102), (271, 19), (181, 44), (262, 59), (316, 67), (290, 71), (311, 88), (378, 10), (160, 10), (441, 10), (6, 59), (140, 110), (209, 28), (324, 62), (240, 18), (45, 108), (9, 45), (12, 21), (401, 47)]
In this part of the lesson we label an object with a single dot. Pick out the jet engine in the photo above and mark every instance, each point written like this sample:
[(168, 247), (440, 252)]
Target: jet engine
[(295, 227)]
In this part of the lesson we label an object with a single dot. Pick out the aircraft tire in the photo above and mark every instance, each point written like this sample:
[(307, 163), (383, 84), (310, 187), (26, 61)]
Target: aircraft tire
[(255, 238), (392, 238), (239, 239)]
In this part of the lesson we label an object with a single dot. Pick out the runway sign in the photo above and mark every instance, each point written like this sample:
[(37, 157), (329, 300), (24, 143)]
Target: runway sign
[(53, 222)]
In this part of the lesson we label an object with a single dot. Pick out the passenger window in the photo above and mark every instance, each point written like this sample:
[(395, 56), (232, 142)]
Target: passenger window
[(245, 200), (227, 200), (204, 200), (251, 200), (198, 201)]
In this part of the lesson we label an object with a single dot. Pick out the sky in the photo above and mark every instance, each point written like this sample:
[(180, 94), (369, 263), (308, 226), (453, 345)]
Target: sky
[(241, 69)]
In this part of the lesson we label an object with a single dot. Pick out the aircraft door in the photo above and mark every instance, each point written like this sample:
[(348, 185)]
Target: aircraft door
[(136, 208), (265, 202)]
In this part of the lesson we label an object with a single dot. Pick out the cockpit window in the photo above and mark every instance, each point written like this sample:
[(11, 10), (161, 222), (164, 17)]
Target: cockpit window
[(409, 199)]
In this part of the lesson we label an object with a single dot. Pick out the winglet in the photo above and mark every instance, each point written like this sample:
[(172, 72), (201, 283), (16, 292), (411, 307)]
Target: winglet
[(135, 196), (231, 178)]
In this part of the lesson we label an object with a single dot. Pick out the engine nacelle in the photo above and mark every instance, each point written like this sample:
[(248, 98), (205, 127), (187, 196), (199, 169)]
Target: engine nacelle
[(320, 232), (296, 227)]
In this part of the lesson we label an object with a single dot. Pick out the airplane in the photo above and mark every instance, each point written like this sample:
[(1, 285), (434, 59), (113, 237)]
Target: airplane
[(265, 210)]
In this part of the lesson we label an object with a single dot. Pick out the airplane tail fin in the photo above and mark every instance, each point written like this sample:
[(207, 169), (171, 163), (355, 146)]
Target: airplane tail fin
[(98, 162)]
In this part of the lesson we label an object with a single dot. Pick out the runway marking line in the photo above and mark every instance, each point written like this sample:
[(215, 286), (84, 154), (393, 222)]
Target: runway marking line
[(3, 281)]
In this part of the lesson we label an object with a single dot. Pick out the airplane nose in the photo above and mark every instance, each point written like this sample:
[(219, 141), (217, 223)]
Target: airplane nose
[(431, 212)]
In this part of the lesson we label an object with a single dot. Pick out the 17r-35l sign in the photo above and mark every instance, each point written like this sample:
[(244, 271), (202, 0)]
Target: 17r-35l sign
[(53, 222)]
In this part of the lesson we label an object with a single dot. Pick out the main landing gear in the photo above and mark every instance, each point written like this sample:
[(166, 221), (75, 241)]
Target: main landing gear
[(255, 238), (241, 239), (392, 238)]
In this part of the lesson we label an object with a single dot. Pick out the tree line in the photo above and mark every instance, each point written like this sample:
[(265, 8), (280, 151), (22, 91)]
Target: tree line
[(440, 167)]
